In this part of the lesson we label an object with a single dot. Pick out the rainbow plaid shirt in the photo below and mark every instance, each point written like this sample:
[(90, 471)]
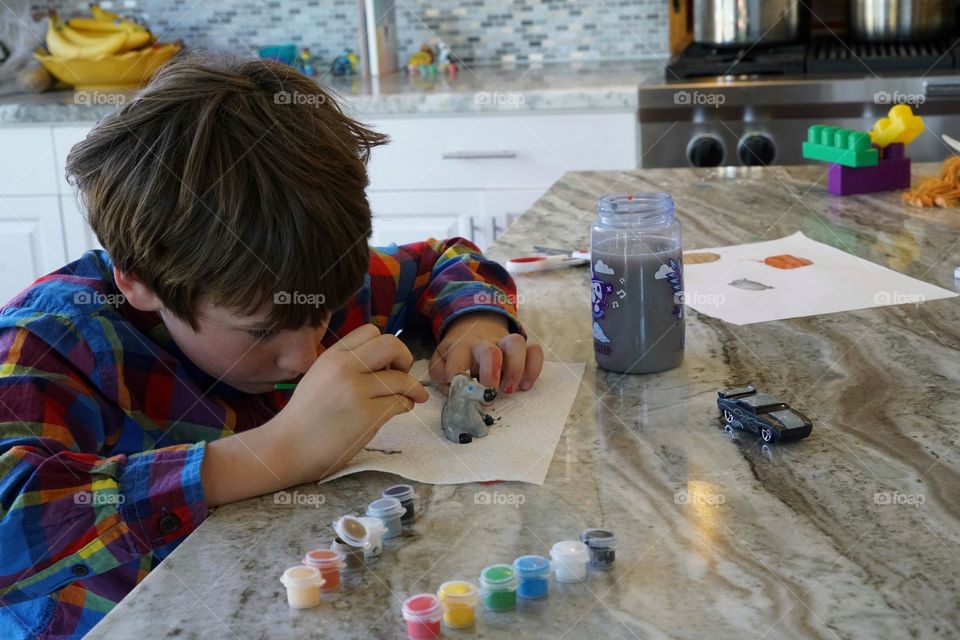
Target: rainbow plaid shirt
[(103, 423)]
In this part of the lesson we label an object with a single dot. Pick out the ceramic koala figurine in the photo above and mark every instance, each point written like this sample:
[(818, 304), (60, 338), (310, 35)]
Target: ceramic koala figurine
[(463, 417)]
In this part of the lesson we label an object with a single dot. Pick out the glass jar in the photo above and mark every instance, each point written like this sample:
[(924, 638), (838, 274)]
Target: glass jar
[(636, 283)]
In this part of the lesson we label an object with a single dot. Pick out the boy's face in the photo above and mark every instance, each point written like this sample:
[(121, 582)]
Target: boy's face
[(242, 351)]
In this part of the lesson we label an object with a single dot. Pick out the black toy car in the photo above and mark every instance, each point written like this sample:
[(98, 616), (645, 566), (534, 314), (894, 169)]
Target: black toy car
[(764, 415)]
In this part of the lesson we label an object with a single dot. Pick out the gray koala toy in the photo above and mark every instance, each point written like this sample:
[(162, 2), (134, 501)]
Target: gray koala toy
[(463, 417)]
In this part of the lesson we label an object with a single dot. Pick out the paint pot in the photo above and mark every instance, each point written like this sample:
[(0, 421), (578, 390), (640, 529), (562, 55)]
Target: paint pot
[(459, 599), (498, 587), (303, 586), (533, 572), (389, 510), (408, 499), (570, 560), (352, 556), (354, 532), (328, 562), (602, 545), (422, 613), (375, 531)]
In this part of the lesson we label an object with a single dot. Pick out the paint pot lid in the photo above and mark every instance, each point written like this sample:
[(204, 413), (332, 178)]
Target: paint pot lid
[(352, 531), (324, 559), (423, 607), (570, 551), (374, 526), (458, 592), (385, 507), (399, 491), (499, 576), (532, 566), (302, 576), (599, 539)]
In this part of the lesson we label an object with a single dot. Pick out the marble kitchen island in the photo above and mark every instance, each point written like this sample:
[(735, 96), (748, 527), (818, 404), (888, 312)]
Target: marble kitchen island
[(852, 533)]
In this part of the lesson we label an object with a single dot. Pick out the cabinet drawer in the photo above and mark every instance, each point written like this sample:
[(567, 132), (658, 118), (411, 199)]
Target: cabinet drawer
[(26, 165), (499, 151)]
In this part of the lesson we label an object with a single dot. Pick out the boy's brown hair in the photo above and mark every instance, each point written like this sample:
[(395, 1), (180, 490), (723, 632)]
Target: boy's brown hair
[(236, 181)]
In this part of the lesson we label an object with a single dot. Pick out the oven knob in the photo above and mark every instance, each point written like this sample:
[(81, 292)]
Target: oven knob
[(705, 150), (756, 150)]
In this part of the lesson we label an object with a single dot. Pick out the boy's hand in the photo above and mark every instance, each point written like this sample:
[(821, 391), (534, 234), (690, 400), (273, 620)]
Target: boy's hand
[(481, 342), (352, 390)]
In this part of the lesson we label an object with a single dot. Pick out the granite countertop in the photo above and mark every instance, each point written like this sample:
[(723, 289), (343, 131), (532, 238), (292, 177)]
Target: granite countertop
[(719, 538), (565, 87)]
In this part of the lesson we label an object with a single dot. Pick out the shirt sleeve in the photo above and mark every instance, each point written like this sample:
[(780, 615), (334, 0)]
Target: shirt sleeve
[(436, 281), (67, 509)]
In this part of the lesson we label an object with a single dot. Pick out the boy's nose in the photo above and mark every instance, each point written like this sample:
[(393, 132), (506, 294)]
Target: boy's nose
[(299, 355)]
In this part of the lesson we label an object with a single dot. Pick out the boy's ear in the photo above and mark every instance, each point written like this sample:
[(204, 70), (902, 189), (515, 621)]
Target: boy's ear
[(136, 292)]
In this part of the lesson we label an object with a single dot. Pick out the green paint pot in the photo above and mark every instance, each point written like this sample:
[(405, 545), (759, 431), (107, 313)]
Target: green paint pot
[(498, 587)]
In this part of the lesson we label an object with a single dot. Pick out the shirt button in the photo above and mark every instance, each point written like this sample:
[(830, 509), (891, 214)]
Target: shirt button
[(168, 524), (79, 570)]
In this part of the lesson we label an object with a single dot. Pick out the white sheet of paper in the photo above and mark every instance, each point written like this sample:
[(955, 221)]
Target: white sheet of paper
[(519, 446), (836, 281)]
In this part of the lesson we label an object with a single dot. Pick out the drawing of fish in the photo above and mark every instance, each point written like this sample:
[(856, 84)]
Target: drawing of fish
[(749, 285)]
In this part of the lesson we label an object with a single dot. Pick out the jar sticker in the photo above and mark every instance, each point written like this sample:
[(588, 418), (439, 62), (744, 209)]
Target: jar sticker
[(600, 292), (672, 271)]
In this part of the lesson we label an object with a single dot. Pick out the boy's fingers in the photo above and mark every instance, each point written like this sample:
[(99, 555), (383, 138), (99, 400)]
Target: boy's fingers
[(389, 406), (514, 349), (457, 361), (383, 352), (533, 366), (355, 338), (391, 382), (489, 361)]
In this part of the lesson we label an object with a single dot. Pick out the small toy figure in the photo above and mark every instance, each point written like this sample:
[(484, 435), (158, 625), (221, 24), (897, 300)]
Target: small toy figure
[(345, 64), (772, 420), (305, 63), (463, 417), (419, 59)]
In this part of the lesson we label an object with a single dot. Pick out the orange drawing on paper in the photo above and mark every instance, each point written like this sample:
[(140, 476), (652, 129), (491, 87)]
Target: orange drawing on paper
[(700, 257), (787, 261)]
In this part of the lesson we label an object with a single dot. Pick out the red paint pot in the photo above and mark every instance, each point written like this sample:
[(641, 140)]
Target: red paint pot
[(422, 613)]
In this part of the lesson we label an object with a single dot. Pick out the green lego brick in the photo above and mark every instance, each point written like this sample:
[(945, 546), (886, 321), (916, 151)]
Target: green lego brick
[(840, 146)]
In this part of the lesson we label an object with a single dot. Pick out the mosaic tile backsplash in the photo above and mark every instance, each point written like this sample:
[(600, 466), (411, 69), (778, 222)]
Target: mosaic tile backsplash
[(477, 31)]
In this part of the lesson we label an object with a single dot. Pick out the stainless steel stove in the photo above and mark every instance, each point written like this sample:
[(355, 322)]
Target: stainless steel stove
[(762, 117)]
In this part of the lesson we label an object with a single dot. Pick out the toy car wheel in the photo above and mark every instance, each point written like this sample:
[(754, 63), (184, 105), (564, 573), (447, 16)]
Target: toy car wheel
[(766, 433)]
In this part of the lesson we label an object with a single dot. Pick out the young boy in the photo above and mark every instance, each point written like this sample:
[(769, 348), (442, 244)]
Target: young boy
[(137, 384)]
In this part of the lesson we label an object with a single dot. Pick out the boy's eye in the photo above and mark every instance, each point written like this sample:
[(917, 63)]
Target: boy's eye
[(261, 334)]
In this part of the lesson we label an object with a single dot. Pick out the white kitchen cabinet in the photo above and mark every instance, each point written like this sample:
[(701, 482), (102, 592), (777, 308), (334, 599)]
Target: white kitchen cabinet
[(32, 241), (63, 140), (77, 234), (26, 166), (410, 216)]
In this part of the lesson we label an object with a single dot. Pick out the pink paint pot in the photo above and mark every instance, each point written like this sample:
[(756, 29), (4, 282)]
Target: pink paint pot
[(422, 613), (328, 562)]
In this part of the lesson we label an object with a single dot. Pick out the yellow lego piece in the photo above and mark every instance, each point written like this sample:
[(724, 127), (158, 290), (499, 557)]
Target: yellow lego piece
[(900, 125)]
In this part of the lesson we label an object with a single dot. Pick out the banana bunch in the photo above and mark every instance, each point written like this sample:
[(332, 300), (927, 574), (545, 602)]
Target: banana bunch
[(104, 33)]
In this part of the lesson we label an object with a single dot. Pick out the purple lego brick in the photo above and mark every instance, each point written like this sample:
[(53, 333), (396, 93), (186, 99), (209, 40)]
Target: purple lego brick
[(891, 174)]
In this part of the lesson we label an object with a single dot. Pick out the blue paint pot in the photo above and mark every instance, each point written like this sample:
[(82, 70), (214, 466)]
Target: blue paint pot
[(533, 572)]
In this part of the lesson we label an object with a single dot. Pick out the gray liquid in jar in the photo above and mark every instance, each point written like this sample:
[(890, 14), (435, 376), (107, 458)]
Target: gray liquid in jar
[(637, 305)]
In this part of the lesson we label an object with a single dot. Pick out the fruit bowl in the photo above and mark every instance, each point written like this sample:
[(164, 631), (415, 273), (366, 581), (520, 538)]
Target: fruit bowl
[(118, 71)]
